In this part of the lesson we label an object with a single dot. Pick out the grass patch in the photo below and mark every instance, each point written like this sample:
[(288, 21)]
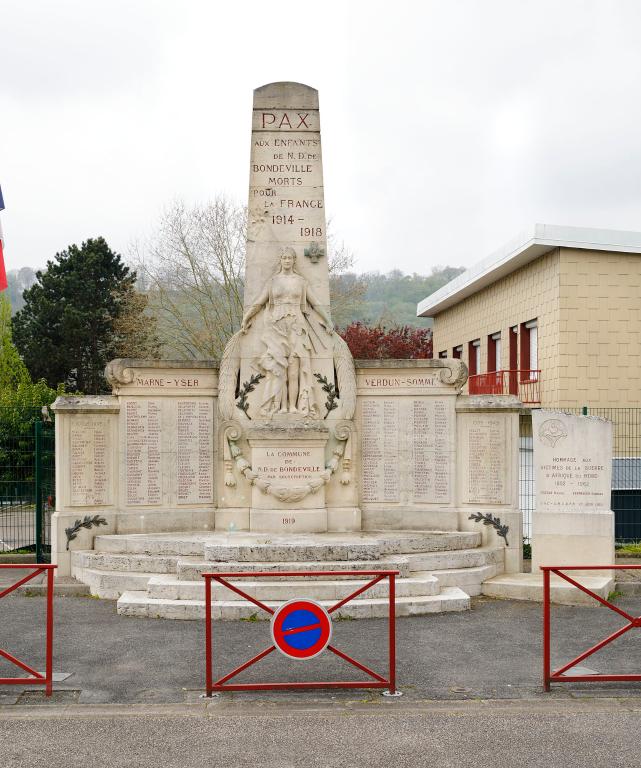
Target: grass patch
[(632, 549)]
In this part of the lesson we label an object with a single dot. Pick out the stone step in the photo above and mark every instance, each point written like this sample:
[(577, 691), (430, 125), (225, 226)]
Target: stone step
[(107, 561), (185, 544), (141, 605), (109, 585), (166, 587), (468, 579), (529, 586), (192, 570), (463, 558), (63, 586), (223, 547), (370, 545)]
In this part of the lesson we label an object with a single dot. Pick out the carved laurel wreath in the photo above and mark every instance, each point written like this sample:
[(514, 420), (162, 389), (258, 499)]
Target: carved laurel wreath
[(87, 522), (332, 395), (248, 386), (487, 519)]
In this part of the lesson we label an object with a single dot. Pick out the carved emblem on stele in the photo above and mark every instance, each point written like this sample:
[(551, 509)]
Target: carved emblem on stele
[(552, 431)]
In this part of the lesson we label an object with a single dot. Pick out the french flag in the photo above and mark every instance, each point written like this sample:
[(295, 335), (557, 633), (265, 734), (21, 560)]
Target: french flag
[(3, 272)]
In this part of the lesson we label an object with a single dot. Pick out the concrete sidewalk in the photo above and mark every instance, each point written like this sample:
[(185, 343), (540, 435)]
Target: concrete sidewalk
[(461, 734), (490, 652)]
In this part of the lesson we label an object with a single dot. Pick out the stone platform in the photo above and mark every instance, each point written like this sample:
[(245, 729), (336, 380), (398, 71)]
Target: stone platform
[(160, 575), (529, 586)]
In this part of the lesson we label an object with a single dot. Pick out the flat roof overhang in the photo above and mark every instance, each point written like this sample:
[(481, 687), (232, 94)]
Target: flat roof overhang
[(520, 251)]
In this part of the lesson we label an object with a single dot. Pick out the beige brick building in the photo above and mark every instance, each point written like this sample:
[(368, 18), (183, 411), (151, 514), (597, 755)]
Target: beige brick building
[(559, 308)]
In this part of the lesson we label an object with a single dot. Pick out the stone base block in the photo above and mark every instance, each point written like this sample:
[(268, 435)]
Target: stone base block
[(341, 519), (529, 586), (408, 519), (230, 520)]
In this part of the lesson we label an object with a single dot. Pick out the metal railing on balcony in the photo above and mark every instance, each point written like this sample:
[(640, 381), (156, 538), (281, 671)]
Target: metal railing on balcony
[(523, 383)]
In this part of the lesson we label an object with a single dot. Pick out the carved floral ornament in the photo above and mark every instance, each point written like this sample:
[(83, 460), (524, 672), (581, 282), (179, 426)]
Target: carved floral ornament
[(233, 455)]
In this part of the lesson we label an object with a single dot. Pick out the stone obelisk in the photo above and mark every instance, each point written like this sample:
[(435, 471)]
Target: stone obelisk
[(286, 206), (287, 384)]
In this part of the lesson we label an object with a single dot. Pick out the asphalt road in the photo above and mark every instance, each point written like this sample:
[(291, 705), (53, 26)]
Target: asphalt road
[(490, 652), (471, 684), (568, 734)]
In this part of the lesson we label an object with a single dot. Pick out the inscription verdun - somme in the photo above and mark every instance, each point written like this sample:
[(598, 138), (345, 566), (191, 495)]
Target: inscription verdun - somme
[(406, 445)]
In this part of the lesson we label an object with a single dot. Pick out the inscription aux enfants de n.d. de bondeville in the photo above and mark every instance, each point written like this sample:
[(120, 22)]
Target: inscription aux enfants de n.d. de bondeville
[(182, 432), (286, 186), (406, 449)]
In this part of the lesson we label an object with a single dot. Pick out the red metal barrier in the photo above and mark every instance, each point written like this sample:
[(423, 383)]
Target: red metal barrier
[(558, 675), (523, 383), (378, 681), (36, 677)]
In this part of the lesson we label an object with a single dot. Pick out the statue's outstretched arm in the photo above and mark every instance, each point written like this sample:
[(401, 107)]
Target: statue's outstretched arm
[(255, 308)]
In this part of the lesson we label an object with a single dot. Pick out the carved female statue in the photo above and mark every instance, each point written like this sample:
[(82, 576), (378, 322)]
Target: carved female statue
[(287, 359)]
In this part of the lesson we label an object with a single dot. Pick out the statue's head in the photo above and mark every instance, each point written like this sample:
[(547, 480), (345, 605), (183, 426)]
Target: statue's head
[(287, 259)]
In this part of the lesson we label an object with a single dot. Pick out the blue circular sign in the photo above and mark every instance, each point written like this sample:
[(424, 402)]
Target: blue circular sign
[(301, 629)]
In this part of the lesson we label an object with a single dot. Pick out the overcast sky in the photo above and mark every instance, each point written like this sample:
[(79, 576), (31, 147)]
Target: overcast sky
[(447, 126)]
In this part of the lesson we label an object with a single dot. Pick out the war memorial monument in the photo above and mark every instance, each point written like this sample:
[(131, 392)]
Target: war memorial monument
[(288, 454)]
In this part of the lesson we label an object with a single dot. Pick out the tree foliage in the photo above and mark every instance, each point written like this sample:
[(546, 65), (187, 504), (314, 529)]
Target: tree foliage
[(391, 299), (20, 408), (68, 328), (12, 369), (377, 342)]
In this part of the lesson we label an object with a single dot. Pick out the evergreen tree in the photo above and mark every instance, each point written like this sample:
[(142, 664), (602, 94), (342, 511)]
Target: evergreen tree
[(66, 329)]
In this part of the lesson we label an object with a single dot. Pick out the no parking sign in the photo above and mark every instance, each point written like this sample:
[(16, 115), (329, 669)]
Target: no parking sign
[(301, 629)]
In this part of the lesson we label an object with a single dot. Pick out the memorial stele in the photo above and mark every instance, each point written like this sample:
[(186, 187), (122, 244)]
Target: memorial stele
[(287, 436)]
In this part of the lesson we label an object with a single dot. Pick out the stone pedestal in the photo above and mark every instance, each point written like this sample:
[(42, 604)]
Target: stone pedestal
[(488, 472), (573, 523), (288, 492)]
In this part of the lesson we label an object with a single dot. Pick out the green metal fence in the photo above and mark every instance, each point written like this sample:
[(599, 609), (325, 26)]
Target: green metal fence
[(626, 470), (27, 481)]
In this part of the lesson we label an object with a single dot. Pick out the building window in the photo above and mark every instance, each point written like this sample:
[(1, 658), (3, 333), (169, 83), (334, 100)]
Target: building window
[(474, 356), (494, 352), (529, 349), (443, 353), (457, 352)]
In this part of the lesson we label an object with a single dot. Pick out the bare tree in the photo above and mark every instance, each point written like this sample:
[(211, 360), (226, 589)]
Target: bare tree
[(192, 271), (347, 289)]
